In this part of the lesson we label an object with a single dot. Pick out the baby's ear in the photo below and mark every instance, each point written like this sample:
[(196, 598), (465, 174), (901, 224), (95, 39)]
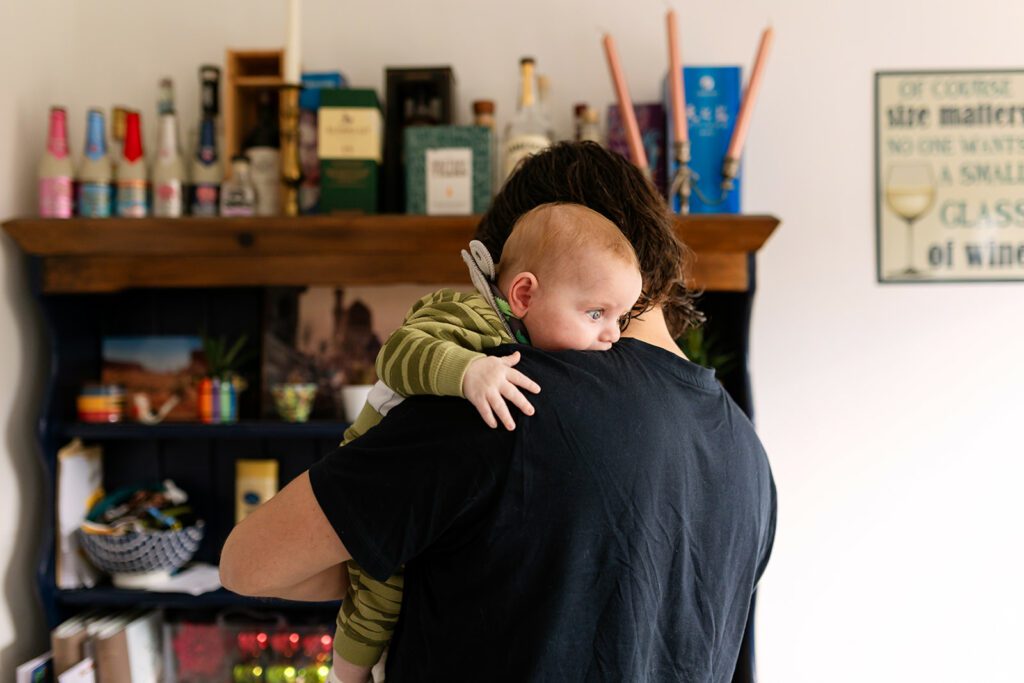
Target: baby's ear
[(521, 292)]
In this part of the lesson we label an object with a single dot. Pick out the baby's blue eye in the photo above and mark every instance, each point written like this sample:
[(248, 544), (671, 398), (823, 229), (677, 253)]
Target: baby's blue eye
[(595, 314)]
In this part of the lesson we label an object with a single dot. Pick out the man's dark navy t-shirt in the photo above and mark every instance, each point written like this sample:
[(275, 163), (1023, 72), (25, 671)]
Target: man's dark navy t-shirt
[(616, 535)]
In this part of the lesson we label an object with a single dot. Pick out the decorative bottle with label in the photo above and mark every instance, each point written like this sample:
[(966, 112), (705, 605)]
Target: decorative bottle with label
[(238, 195), (117, 127), (95, 171), (483, 115), (168, 171), (165, 103), (529, 131), (263, 147), (207, 173), (55, 172), (590, 126), (131, 172)]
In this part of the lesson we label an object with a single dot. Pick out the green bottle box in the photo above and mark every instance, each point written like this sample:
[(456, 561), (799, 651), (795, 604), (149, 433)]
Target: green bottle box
[(349, 139)]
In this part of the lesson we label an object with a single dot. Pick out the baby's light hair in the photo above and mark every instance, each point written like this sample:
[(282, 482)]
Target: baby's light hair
[(550, 236)]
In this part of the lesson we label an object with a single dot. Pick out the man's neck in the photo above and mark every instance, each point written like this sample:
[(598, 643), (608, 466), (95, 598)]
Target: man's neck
[(651, 328)]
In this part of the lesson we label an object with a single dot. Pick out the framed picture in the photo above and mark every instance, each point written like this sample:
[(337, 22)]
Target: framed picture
[(949, 176), (162, 368), (329, 336)]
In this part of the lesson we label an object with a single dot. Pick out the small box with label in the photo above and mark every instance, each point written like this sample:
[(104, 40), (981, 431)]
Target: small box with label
[(349, 139), (447, 170)]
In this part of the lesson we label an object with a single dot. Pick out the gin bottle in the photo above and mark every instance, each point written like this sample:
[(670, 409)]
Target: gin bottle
[(529, 130), (263, 147), (238, 195)]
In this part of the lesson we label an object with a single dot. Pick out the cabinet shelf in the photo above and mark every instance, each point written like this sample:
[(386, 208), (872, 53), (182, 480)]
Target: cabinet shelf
[(246, 429), (100, 277), (108, 596)]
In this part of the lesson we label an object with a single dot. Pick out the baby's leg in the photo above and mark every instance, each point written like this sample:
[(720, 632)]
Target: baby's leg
[(366, 623)]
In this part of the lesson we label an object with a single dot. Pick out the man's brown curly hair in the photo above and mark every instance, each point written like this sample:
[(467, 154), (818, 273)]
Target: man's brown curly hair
[(586, 173)]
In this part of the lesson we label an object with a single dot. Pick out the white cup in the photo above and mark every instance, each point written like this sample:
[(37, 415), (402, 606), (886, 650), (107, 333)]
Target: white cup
[(353, 397)]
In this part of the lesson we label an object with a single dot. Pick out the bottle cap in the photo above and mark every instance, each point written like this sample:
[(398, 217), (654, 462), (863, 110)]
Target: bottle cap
[(579, 108), (527, 60), (483, 106)]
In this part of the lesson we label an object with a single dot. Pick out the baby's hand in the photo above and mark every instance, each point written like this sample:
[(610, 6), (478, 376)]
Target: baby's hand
[(492, 379)]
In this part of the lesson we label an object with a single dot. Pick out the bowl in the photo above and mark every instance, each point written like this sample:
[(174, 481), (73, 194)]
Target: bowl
[(293, 401), (139, 558)]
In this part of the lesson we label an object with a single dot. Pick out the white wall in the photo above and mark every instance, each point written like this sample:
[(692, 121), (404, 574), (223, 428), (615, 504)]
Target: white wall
[(890, 413)]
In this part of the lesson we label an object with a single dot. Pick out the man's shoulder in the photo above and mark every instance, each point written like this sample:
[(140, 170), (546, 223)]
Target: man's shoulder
[(621, 361)]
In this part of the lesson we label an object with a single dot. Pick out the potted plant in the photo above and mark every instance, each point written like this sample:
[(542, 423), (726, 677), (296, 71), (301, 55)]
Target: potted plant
[(220, 387), (705, 349)]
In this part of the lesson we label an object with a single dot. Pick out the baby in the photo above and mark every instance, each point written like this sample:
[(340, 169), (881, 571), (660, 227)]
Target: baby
[(568, 280)]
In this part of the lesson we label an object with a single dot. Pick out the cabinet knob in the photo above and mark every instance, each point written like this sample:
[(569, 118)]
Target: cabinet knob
[(245, 239)]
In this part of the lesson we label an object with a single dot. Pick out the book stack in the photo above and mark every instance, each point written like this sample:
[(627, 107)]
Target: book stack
[(124, 647)]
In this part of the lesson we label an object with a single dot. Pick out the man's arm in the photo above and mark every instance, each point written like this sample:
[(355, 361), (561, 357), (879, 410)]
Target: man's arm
[(286, 548)]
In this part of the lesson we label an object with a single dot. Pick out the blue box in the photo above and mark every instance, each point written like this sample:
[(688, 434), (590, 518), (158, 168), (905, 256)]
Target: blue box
[(309, 103), (712, 104)]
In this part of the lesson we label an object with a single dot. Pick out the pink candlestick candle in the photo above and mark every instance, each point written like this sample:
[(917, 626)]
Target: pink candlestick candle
[(675, 81), (636, 147), (739, 132)]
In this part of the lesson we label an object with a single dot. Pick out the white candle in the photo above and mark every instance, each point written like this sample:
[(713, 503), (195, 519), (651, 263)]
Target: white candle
[(293, 46)]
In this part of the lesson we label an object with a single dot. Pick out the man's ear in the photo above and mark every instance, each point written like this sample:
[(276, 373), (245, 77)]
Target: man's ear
[(521, 292)]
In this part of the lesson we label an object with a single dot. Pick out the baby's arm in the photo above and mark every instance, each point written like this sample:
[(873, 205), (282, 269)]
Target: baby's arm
[(438, 351)]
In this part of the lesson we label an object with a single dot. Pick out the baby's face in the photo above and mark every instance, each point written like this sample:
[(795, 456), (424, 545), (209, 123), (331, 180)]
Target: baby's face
[(580, 307)]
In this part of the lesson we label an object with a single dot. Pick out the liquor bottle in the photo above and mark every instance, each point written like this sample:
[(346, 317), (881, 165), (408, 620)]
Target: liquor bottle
[(95, 172), (528, 132), (55, 172), (207, 173), (590, 126), (209, 90), (544, 98), (165, 103), (483, 115), (263, 147), (577, 120), (131, 172), (117, 128), (238, 194), (168, 171)]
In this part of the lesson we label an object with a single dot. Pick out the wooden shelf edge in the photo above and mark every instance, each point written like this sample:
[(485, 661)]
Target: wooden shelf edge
[(106, 255), (313, 234)]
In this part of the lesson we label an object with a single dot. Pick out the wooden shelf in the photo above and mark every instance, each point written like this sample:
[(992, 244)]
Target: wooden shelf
[(246, 429), (108, 596), (106, 255)]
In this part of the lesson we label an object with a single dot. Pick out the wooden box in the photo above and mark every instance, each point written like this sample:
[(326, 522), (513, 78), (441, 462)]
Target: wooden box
[(248, 74)]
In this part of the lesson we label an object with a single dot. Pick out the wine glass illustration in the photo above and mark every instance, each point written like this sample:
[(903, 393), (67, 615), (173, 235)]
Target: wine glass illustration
[(910, 193)]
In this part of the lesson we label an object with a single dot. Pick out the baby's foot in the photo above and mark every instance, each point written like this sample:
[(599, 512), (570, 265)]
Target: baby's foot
[(347, 672)]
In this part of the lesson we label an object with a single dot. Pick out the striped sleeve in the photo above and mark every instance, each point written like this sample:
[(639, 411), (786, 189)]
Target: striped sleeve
[(442, 334)]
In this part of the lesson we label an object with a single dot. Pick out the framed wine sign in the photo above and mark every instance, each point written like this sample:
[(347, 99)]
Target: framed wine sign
[(949, 175)]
